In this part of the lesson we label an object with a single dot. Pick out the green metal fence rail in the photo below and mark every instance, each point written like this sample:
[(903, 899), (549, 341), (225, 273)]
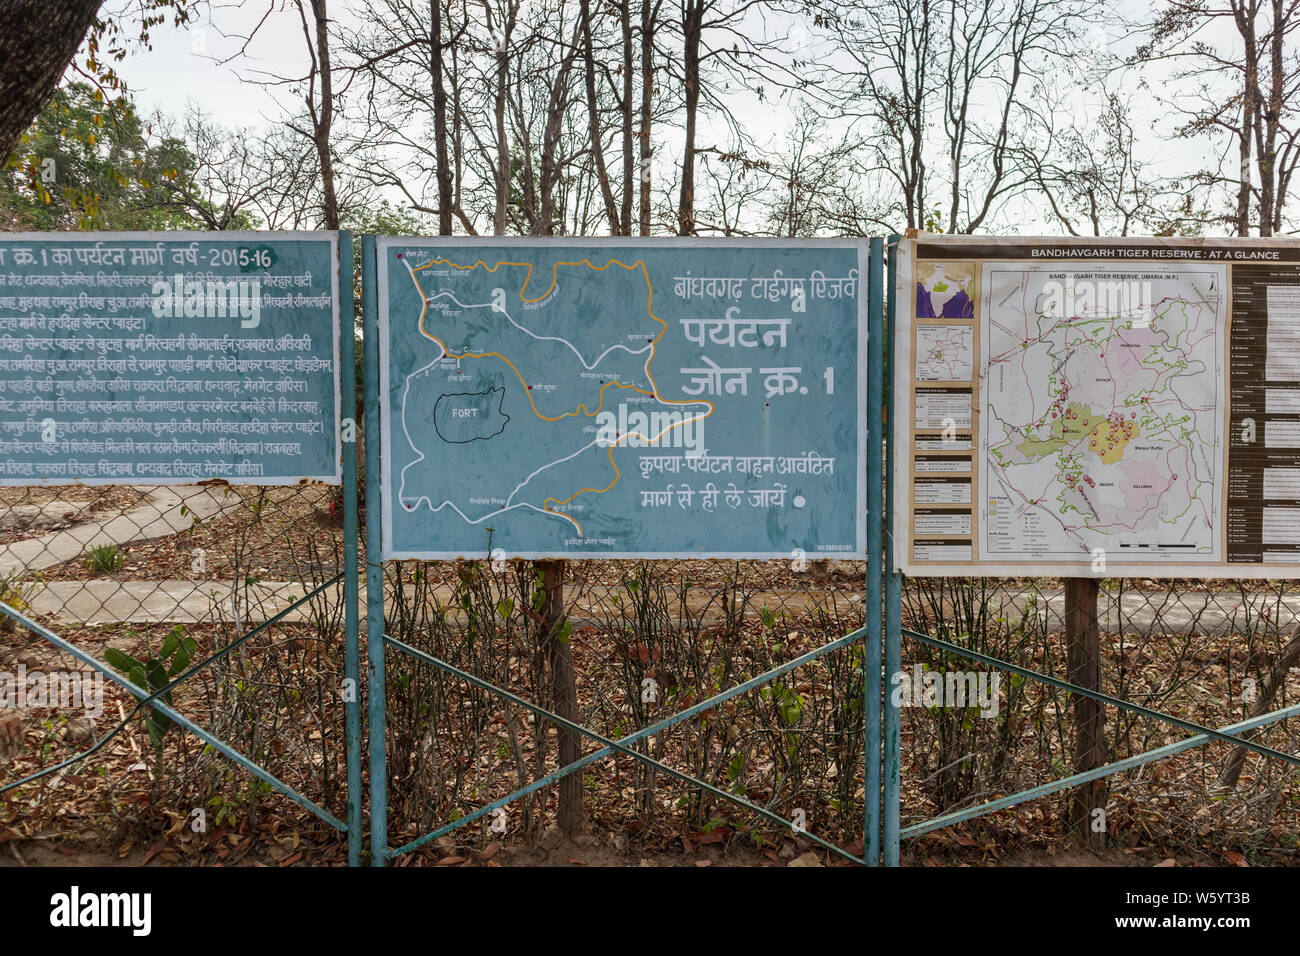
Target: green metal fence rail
[(622, 746), (154, 700), (375, 683), (159, 699), (894, 632), (1233, 734), (351, 557), (875, 540), (893, 614), (881, 636), (870, 634)]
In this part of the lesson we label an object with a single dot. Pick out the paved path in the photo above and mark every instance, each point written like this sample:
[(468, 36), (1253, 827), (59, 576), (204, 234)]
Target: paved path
[(1142, 612), (147, 602), (164, 602), (187, 602), (159, 515)]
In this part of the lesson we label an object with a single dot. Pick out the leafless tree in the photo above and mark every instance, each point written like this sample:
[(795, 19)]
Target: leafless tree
[(313, 91), (238, 177), (407, 57), (952, 80), (1239, 93), (1093, 180)]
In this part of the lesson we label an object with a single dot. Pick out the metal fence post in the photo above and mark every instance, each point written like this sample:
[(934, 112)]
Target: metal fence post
[(893, 587), (376, 697), (875, 527), (351, 645)]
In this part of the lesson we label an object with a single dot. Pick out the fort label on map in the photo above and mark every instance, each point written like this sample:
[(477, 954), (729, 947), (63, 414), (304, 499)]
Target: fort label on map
[(611, 398), (1073, 406)]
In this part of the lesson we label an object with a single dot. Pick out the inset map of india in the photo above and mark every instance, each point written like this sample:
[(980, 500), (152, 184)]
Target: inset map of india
[(1102, 411)]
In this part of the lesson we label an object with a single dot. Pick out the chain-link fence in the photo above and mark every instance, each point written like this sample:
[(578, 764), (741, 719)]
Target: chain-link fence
[(139, 571), (1213, 653), (652, 638), (502, 673), (648, 640), (155, 580)]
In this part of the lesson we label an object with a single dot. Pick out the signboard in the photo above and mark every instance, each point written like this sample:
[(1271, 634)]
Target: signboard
[(1085, 406), (169, 358), (622, 398)]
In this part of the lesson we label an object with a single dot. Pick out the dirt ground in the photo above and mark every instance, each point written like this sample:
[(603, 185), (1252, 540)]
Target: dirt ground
[(587, 851), (275, 534)]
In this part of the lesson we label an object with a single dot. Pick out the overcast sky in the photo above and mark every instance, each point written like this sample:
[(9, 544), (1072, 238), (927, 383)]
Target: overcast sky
[(184, 67)]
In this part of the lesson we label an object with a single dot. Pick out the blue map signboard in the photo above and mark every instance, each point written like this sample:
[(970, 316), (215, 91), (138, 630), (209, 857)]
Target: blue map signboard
[(622, 398), (169, 358)]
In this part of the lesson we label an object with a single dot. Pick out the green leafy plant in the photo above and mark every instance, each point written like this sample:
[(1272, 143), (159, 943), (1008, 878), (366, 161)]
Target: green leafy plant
[(155, 672), (106, 558)]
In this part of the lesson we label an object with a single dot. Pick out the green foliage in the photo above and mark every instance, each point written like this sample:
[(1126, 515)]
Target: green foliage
[(382, 219), (155, 672), (106, 558), (88, 163)]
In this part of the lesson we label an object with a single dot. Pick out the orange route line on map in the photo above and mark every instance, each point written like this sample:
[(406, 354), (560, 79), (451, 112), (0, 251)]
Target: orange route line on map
[(582, 407)]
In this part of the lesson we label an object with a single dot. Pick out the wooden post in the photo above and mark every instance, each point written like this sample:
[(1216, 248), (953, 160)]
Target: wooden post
[(564, 691), (1084, 640)]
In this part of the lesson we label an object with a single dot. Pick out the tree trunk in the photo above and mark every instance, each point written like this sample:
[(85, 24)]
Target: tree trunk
[(499, 221), (564, 693), (443, 173), (325, 116), (550, 172), (692, 20), (1084, 640), (1271, 194), (629, 164), (1249, 118), (37, 41), (593, 120), (647, 102)]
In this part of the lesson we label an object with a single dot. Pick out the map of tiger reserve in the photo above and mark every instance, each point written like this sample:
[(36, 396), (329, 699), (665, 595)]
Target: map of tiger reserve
[(944, 353), (1090, 406), (572, 398), (1101, 411)]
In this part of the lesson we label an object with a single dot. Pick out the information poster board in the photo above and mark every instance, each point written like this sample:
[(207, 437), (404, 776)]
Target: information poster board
[(169, 358), (622, 398), (1085, 406)]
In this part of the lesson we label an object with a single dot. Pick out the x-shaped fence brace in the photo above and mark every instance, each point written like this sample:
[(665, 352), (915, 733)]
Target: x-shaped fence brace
[(1202, 735), (622, 746), (146, 699), (879, 649), (1233, 734)]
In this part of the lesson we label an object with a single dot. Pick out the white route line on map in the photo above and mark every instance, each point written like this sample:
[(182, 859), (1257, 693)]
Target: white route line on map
[(541, 338), (415, 502)]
